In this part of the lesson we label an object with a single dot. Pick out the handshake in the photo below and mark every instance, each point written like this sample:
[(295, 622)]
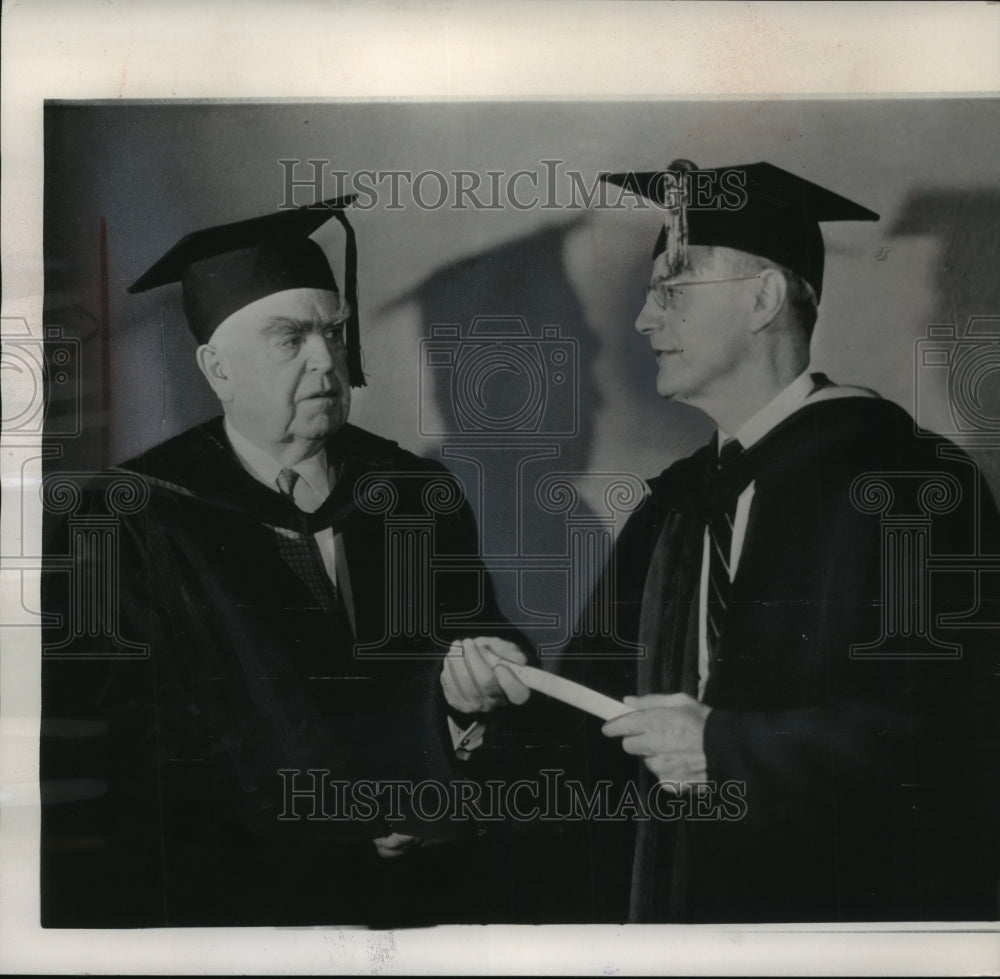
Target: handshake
[(476, 680)]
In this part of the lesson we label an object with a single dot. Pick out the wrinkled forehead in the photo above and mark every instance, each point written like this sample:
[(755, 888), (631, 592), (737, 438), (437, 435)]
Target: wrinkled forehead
[(306, 307)]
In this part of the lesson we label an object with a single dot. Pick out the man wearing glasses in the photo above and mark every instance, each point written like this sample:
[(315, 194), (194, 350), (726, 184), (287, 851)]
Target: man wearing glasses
[(755, 580)]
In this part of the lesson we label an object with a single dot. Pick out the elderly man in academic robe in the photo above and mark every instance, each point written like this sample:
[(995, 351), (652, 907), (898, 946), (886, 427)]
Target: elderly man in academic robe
[(809, 725), (755, 578), (254, 650)]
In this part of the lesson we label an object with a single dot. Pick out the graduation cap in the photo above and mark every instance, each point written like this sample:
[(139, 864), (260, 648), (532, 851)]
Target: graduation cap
[(225, 268), (757, 208)]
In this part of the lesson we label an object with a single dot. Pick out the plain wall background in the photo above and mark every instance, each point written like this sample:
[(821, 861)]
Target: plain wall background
[(154, 172)]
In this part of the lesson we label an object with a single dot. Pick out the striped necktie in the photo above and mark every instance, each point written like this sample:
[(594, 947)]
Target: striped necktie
[(720, 532)]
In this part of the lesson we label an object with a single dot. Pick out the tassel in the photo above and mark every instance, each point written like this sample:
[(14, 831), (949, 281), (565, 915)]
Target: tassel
[(675, 222)]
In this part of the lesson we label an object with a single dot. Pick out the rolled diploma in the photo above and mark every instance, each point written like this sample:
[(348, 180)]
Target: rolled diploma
[(558, 687)]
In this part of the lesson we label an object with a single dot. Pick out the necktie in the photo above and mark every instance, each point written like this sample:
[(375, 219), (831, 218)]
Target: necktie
[(286, 481), (302, 554), (720, 532)]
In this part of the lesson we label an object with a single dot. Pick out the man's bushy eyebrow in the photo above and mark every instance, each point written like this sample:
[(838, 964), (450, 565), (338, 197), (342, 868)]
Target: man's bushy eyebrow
[(279, 324)]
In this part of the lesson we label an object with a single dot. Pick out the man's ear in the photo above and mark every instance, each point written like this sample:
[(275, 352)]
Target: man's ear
[(768, 299), (212, 365)]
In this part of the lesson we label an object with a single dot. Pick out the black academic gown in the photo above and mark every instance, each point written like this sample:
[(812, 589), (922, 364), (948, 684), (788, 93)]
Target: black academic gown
[(868, 784), (162, 745)]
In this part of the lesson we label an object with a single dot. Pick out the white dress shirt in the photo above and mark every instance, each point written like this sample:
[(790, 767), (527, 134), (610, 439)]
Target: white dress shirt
[(802, 390), (311, 488)]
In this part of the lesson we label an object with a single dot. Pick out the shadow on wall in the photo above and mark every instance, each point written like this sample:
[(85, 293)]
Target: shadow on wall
[(958, 354), (509, 390)]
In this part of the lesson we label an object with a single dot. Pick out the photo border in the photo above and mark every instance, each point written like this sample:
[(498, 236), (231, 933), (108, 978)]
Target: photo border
[(426, 51)]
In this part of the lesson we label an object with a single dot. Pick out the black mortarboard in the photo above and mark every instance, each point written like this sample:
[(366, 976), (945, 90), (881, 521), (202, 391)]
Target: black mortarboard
[(756, 208), (225, 268)]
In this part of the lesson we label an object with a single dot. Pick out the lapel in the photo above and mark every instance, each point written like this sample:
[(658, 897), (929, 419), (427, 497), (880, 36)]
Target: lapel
[(200, 465)]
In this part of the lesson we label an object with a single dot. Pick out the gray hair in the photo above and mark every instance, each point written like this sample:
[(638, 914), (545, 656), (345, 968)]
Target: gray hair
[(800, 297)]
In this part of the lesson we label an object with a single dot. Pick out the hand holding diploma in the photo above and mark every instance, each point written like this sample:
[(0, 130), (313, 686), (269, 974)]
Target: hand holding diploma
[(517, 678), (475, 678), (668, 732)]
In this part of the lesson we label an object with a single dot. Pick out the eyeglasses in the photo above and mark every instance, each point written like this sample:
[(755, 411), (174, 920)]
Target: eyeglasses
[(663, 292)]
